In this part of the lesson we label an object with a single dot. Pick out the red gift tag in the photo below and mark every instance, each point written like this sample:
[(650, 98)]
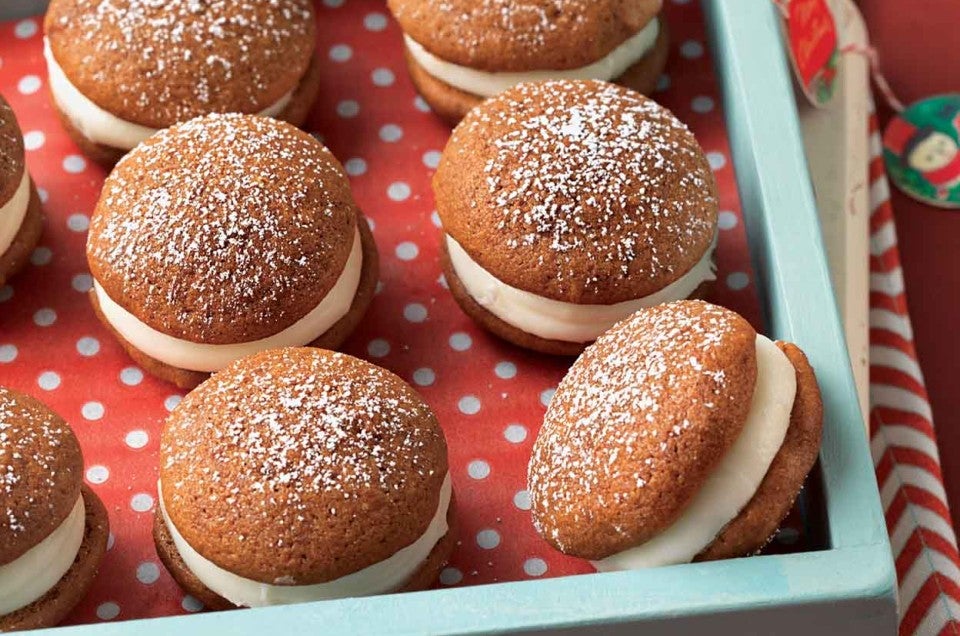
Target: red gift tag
[(812, 41)]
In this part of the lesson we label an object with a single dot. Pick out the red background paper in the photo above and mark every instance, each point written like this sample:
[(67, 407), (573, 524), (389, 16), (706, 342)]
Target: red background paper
[(488, 395)]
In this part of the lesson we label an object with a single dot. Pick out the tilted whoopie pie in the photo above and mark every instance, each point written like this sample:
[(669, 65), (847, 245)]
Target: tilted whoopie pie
[(298, 475), (121, 70), (53, 528), (680, 435), (21, 219), (566, 206), (462, 51), (226, 235)]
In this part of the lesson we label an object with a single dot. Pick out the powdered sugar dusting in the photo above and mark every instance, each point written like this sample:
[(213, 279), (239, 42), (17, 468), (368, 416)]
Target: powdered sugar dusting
[(614, 416), (11, 147)]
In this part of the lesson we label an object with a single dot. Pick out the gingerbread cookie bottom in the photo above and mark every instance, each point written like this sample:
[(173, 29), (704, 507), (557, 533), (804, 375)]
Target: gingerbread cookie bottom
[(26, 238), (187, 580), (508, 332), (53, 607), (330, 339), (452, 104), (757, 523), (295, 112)]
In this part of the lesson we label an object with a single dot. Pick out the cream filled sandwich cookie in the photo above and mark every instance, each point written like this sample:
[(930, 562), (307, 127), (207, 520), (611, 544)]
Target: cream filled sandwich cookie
[(223, 236), (680, 435), (462, 51), (299, 475), (567, 206), (21, 219), (121, 70), (53, 528)]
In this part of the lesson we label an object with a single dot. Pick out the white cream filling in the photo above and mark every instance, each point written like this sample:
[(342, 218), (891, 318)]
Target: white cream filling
[(558, 320), (99, 125), (197, 356), (36, 571), (13, 212), (735, 480), (380, 578), (485, 83)]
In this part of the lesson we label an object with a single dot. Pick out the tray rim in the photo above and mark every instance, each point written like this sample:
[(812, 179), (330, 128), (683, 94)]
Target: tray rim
[(783, 230)]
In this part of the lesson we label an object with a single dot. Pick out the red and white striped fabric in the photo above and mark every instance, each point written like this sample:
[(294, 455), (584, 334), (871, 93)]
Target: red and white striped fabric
[(902, 438)]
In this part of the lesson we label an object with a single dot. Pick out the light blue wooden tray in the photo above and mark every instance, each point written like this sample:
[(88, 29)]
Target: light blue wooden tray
[(849, 588)]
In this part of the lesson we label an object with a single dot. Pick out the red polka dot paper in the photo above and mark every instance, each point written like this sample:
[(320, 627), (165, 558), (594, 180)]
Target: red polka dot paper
[(489, 396)]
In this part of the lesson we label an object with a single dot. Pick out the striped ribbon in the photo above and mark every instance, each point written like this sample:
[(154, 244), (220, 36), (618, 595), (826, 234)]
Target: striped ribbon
[(902, 437)]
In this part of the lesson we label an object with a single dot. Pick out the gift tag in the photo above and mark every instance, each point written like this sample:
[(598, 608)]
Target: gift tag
[(812, 41), (921, 149)]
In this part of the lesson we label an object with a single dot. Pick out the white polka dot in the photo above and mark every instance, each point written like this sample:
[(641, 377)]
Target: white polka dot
[(41, 256), (451, 576), (190, 604), (348, 108), (415, 312), (6, 293), (33, 139), (141, 502), (148, 572), (378, 288), (663, 83), (29, 84), (44, 317), (460, 341), (92, 411), (421, 104), (435, 219), (382, 77), (48, 380), (43, 194), (391, 133), (378, 348), (424, 376), (371, 223), (535, 567), (469, 405), (398, 191), (522, 500), (136, 439), (355, 166), (8, 353), (546, 395), (98, 474), (131, 376), (88, 346), (726, 220), (108, 611), (82, 282), (505, 370), (78, 222), (717, 160), (431, 158), (340, 52), (375, 22), (478, 469), (74, 164), (691, 49), (488, 539), (25, 29), (737, 281), (171, 402), (407, 251), (702, 104), (442, 281), (515, 433), (333, 4)]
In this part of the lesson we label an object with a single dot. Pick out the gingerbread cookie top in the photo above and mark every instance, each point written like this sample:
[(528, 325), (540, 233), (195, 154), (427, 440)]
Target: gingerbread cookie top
[(522, 35), (299, 466), (157, 62), (226, 228), (638, 424), (41, 470), (11, 152), (579, 191)]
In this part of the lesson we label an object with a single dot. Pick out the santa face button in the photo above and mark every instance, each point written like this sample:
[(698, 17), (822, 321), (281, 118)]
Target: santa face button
[(921, 149)]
